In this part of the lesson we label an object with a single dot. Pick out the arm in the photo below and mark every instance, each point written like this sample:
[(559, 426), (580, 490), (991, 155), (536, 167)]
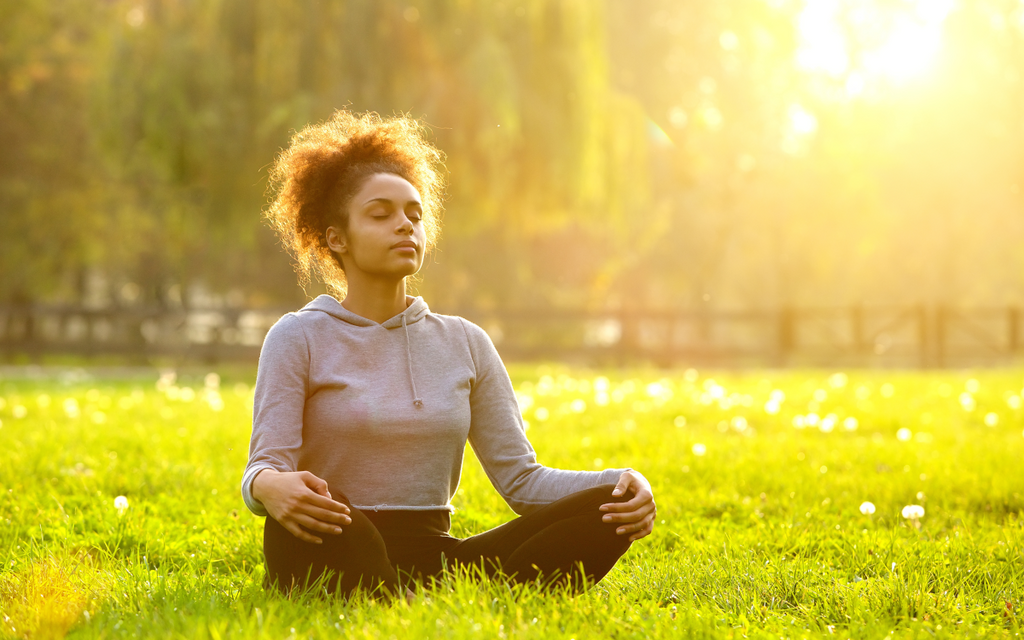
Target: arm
[(497, 436), (271, 485)]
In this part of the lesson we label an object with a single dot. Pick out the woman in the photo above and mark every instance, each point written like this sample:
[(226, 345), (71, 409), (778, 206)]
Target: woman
[(363, 407)]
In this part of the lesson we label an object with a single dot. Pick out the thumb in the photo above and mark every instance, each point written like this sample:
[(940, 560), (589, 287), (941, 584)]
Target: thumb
[(317, 484), (622, 485)]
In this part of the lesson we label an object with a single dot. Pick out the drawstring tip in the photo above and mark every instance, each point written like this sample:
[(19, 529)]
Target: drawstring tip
[(418, 402)]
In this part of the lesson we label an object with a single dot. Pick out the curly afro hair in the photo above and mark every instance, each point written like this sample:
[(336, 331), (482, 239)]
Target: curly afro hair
[(325, 164)]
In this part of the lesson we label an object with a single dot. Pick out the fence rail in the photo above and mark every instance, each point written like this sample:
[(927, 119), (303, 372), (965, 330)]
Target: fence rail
[(903, 336)]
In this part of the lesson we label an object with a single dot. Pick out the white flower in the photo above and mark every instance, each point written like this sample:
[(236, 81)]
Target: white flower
[(867, 508), (913, 512), (121, 503), (904, 434), (211, 381), (699, 449)]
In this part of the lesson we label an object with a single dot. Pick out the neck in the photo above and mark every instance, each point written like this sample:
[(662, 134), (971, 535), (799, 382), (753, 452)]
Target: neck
[(376, 300)]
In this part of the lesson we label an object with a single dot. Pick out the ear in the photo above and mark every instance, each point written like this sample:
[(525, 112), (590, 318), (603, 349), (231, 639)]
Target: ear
[(336, 240)]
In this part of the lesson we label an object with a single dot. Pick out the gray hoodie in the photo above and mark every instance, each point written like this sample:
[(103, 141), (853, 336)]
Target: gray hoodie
[(382, 412)]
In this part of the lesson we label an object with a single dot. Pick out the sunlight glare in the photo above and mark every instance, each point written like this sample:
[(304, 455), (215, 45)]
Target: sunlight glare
[(857, 41)]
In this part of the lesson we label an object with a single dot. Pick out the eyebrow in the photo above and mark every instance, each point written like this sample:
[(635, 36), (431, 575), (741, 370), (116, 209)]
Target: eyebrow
[(390, 201)]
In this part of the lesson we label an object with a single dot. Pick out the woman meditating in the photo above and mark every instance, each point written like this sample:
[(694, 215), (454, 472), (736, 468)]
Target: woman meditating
[(363, 407)]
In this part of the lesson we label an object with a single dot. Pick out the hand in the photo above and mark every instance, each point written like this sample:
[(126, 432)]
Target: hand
[(636, 514), (299, 499)]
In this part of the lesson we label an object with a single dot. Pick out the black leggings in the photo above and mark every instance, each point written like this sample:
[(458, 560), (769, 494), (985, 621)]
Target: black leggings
[(563, 543)]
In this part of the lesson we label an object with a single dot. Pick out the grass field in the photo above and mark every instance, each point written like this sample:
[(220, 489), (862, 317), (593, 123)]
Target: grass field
[(120, 514)]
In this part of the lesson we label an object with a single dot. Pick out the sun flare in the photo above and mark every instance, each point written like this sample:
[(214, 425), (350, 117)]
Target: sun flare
[(865, 41)]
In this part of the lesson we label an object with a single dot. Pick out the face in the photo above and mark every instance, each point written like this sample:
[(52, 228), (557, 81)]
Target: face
[(385, 236)]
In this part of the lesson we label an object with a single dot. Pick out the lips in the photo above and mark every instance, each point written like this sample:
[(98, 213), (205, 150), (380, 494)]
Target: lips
[(405, 244)]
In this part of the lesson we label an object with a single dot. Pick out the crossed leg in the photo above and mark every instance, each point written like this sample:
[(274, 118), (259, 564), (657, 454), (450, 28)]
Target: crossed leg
[(565, 542)]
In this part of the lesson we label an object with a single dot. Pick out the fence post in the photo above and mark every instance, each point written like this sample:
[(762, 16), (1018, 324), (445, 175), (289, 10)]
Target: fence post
[(857, 327), (786, 334), (940, 336)]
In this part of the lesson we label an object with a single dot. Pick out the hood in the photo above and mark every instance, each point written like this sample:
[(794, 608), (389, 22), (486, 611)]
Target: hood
[(415, 312)]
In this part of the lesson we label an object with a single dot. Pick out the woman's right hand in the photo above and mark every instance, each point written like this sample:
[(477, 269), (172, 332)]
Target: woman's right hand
[(299, 501)]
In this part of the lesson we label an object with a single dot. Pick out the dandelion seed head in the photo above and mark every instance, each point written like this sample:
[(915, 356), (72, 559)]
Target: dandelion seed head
[(991, 419), (838, 380), (828, 423), (850, 423), (967, 401), (577, 406), (904, 434), (913, 512), (867, 508), (71, 409), (799, 422), (1013, 401), (772, 407), (699, 449), (120, 503)]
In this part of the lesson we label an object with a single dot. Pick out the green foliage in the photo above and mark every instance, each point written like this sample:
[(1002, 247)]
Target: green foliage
[(760, 531), (601, 153)]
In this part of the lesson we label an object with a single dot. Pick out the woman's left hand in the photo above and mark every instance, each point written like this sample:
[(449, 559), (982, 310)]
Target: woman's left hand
[(637, 514)]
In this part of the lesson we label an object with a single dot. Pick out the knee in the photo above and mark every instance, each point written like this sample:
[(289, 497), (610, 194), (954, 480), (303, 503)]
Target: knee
[(603, 492)]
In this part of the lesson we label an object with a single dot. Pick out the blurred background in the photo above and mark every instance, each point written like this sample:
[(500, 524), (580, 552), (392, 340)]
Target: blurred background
[(692, 179)]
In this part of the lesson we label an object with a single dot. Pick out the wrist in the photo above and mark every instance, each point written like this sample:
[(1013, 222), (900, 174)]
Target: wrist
[(259, 483)]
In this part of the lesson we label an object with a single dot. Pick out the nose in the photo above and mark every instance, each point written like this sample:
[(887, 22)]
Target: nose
[(405, 226)]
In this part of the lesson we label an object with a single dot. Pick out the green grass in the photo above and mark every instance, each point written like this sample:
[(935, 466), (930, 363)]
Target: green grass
[(761, 536)]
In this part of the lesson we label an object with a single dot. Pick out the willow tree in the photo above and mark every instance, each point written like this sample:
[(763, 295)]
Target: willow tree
[(197, 98)]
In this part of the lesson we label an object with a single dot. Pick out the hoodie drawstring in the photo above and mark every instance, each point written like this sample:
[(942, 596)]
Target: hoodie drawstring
[(408, 359)]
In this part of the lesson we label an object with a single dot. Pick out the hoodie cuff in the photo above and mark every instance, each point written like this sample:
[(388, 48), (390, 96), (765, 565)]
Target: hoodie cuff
[(252, 503)]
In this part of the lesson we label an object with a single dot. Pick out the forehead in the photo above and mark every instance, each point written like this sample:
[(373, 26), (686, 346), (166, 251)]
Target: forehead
[(386, 186)]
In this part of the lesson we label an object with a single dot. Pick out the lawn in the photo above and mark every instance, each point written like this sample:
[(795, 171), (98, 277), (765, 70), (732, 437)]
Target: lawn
[(791, 504)]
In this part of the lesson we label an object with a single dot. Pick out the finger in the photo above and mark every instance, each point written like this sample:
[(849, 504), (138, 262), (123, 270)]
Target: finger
[(328, 504), (298, 532), (315, 525), (644, 533), (630, 527), (636, 527), (319, 485), (326, 515), (629, 505), (627, 514), (628, 518), (624, 481)]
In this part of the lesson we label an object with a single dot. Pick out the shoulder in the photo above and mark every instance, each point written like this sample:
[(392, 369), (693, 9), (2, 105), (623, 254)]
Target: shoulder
[(289, 330), (476, 336)]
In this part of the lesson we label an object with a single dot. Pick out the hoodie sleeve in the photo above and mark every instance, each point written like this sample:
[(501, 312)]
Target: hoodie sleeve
[(497, 436), (282, 382)]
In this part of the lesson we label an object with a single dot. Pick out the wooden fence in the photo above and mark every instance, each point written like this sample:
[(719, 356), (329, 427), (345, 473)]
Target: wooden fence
[(896, 336)]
